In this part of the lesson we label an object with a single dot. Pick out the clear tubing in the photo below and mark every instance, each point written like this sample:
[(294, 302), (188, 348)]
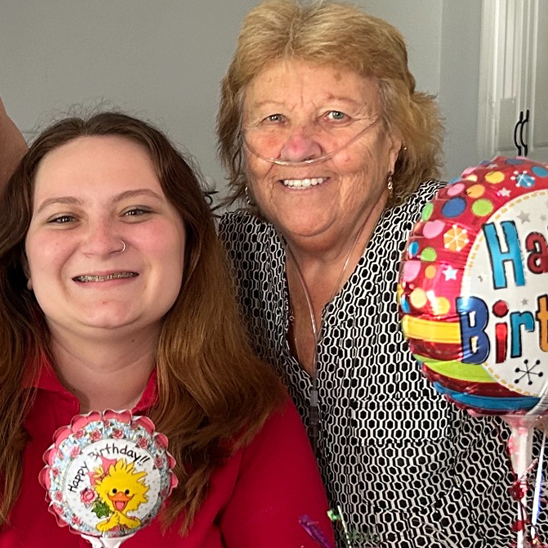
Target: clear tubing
[(310, 161)]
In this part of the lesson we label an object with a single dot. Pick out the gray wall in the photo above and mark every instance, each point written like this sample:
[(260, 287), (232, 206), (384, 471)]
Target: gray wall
[(163, 60), (443, 38), (459, 82)]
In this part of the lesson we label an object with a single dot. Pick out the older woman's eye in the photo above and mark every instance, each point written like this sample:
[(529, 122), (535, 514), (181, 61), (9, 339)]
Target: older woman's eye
[(274, 118), (336, 115)]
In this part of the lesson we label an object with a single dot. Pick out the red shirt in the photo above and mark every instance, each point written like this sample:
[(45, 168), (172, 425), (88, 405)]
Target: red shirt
[(255, 500)]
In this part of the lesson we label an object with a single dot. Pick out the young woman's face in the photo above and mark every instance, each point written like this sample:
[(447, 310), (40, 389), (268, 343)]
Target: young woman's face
[(105, 248)]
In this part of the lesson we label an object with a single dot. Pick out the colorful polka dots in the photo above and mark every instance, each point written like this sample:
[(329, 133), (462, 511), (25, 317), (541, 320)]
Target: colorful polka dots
[(410, 270), (482, 208), (427, 211), (444, 268), (495, 177), (418, 297), (540, 171), (413, 249), (441, 306), (433, 228), (475, 191), (429, 254), (454, 207), (455, 189), (430, 271)]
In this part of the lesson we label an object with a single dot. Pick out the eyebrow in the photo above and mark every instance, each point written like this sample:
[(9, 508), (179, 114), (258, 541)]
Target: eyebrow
[(71, 200), (275, 103)]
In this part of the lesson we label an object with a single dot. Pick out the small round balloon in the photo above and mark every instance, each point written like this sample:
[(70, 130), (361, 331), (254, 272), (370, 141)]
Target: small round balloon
[(107, 475), (473, 288)]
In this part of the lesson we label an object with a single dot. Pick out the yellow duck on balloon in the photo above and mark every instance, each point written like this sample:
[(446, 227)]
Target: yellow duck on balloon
[(123, 490)]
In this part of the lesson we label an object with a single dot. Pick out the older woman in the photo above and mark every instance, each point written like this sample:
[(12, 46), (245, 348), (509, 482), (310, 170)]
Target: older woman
[(114, 294), (325, 137)]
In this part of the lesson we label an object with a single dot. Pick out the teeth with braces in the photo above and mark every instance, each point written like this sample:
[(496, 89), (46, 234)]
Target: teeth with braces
[(303, 183), (116, 276)]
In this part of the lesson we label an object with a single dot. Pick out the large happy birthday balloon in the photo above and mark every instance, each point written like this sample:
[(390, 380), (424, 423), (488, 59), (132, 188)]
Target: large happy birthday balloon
[(107, 475), (473, 288)]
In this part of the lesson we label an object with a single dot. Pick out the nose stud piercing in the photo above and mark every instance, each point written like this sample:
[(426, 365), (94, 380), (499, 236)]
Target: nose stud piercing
[(123, 248)]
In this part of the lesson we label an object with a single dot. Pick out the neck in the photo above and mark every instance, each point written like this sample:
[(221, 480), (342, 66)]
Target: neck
[(327, 261), (110, 374), (331, 248), (316, 270)]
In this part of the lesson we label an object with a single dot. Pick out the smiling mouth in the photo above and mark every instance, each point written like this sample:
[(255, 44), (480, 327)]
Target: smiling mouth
[(117, 276), (304, 183)]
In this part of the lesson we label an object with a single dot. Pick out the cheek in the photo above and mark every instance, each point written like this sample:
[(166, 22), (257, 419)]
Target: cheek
[(360, 164), (256, 171), (370, 162), (170, 254), (171, 273), (43, 256)]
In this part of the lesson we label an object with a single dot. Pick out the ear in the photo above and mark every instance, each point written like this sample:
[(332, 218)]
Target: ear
[(26, 270), (395, 143)]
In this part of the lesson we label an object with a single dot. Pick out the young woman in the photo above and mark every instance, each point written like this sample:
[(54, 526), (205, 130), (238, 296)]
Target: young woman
[(114, 294)]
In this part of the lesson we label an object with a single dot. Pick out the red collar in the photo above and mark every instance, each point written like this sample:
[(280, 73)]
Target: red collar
[(47, 380)]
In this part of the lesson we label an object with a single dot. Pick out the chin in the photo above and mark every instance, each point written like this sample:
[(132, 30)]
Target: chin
[(106, 323), (301, 226)]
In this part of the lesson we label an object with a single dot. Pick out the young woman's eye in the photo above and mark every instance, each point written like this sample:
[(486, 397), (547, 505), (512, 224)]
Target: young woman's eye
[(136, 212), (62, 219)]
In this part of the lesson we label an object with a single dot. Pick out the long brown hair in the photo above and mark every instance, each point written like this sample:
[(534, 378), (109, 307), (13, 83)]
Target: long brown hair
[(341, 35), (212, 389)]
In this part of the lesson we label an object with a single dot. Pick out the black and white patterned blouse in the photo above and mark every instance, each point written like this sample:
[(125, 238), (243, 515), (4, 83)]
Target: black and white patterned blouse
[(406, 467)]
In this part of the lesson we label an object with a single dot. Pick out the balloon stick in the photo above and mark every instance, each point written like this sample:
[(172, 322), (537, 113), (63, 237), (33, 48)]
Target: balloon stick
[(520, 447)]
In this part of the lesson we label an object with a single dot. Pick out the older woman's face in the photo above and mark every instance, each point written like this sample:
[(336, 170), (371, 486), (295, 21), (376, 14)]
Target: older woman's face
[(91, 195), (295, 111)]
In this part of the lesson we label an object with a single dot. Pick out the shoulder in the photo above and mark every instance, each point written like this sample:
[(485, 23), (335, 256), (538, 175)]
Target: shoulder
[(426, 191), (278, 483), (284, 425), (283, 445), (411, 209), (252, 244), (240, 223)]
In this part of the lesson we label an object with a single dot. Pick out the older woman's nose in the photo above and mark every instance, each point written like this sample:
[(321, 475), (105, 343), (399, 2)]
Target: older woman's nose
[(301, 145)]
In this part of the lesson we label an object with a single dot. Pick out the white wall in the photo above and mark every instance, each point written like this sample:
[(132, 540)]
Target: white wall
[(443, 38), (459, 82), (159, 59), (163, 60), (420, 23)]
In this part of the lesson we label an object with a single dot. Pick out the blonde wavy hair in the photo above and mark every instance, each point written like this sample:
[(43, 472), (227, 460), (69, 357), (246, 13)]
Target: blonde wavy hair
[(336, 34), (212, 389)]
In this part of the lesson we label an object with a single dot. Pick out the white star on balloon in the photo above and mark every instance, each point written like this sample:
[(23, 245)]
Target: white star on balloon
[(505, 192), (450, 273)]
